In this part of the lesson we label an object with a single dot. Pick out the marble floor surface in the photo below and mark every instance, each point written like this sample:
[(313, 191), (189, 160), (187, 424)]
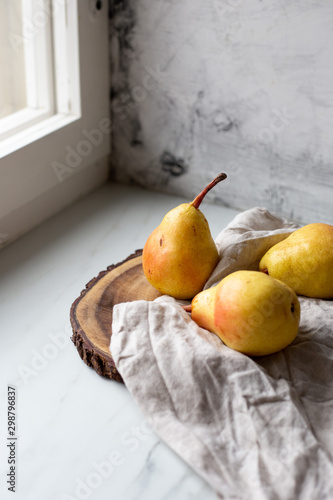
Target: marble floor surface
[(79, 435)]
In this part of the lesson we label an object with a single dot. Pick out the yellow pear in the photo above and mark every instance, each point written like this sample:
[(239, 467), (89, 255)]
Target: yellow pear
[(180, 254), (251, 312), (304, 261)]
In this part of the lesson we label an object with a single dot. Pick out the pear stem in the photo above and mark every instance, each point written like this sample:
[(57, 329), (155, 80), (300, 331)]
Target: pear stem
[(187, 308), (197, 201)]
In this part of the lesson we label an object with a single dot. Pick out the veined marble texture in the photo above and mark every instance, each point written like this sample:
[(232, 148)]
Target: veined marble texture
[(244, 87)]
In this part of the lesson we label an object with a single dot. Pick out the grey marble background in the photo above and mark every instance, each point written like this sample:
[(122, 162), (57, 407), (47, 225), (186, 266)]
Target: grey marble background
[(240, 86)]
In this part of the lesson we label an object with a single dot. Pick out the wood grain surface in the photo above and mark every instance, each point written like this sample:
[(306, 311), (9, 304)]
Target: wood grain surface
[(91, 312)]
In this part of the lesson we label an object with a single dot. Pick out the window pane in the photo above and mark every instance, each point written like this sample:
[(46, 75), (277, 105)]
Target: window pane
[(12, 74)]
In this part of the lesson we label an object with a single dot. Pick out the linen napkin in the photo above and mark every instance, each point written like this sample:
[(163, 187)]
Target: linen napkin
[(253, 428)]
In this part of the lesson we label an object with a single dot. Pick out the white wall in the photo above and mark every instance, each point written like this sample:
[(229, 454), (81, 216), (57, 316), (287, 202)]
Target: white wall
[(244, 87)]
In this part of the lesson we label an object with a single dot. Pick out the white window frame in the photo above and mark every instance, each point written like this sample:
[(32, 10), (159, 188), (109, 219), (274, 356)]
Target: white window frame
[(50, 164)]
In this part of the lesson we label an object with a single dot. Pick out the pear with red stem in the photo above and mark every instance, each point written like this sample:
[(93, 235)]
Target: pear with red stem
[(180, 254)]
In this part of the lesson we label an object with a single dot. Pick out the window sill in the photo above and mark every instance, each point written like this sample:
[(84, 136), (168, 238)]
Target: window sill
[(41, 275)]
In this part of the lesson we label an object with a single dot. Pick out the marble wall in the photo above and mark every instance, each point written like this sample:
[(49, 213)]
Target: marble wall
[(241, 86)]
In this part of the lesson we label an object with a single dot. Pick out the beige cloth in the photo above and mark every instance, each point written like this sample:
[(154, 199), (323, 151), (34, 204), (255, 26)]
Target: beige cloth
[(253, 428)]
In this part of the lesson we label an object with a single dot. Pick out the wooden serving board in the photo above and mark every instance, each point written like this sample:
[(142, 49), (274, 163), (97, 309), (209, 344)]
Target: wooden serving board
[(91, 312)]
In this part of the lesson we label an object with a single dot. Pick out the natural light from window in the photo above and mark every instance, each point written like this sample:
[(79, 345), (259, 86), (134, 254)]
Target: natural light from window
[(39, 66), (13, 95)]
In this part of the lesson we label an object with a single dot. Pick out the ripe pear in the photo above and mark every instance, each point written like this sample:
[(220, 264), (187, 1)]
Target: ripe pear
[(180, 254), (251, 312), (304, 261)]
